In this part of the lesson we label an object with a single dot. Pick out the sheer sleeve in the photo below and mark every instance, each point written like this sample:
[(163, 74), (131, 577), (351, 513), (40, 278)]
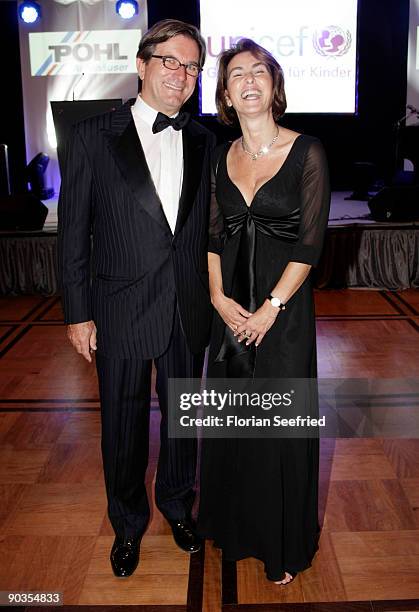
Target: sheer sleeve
[(315, 204), (216, 222)]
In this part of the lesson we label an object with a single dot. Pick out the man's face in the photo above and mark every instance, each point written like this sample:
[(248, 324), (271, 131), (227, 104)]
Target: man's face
[(163, 89)]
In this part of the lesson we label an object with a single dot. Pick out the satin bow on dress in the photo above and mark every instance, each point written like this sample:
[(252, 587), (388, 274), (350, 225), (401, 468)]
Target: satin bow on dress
[(243, 290)]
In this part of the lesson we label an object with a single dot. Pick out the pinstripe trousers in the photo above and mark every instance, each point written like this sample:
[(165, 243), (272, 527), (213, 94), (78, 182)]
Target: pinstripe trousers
[(125, 390)]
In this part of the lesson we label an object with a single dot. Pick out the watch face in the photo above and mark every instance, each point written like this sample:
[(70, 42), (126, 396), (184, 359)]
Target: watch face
[(276, 302)]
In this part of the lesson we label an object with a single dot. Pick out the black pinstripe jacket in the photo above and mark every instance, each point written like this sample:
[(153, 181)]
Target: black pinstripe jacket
[(119, 262)]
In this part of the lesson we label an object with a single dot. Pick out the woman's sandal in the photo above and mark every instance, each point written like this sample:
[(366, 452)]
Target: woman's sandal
[(289, 581)]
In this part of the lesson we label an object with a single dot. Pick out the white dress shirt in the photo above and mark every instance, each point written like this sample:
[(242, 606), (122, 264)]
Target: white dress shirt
[(164, 156)]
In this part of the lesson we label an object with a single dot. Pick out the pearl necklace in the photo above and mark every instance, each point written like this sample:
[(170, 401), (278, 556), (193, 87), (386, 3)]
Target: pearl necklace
[(263, 151)]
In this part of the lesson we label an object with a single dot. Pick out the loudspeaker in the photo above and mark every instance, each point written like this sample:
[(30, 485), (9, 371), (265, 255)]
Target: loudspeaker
[(22, 212), (395, 204)]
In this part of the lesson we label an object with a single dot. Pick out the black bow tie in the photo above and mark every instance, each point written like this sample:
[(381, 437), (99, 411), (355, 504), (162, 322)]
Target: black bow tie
[(162, 121)]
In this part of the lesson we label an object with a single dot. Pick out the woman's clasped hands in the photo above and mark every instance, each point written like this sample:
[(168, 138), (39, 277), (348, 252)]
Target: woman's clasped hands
[(245, 325)]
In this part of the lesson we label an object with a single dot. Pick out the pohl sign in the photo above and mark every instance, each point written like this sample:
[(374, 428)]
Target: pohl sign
[(88, 52), (83, 52)]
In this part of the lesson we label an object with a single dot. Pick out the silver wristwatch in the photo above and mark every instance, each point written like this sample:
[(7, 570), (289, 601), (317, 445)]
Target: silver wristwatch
[(276, 302)]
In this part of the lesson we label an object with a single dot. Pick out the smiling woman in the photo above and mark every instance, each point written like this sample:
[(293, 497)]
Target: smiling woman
[(253, 61), (268, 218)]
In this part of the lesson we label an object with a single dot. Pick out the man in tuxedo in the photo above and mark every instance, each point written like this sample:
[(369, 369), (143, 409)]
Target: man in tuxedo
[(133, 218)]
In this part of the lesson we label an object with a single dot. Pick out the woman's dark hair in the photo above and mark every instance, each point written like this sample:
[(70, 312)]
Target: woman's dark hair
[(166, 29), (227, 114)]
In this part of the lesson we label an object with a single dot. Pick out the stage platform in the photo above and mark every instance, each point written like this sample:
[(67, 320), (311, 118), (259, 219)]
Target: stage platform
[(359, 252)]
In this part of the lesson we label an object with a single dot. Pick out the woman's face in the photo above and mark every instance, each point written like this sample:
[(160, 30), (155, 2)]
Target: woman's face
[(249, 85)]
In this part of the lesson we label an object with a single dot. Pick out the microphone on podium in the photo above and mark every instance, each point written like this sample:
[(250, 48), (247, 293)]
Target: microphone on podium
[(77, 82)]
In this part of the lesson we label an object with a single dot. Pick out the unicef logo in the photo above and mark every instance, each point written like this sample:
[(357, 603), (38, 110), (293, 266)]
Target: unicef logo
[(332, 41)]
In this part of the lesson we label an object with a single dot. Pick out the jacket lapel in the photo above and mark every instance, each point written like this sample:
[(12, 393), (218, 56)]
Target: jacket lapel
[(129, 156), (193, 155)]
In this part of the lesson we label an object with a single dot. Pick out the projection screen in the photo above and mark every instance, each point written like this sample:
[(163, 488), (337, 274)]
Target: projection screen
[(315, 43)]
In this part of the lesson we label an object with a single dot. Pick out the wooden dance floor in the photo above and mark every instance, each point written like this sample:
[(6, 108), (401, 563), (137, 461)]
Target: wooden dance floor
[(54, 533)]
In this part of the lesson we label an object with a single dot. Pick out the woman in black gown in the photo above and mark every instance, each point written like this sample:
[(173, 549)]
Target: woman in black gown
[(268, 219)]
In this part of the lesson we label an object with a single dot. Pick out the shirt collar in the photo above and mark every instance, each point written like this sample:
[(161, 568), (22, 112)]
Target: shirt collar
[(144, 111)]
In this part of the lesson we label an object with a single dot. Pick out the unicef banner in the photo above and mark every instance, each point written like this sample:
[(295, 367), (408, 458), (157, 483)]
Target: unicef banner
[(79, 50), (315, 43)]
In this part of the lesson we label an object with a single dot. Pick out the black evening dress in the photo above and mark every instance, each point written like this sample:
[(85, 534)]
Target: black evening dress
[(259, 497)]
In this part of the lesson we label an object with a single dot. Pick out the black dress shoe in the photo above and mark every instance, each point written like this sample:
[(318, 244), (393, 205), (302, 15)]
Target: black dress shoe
[(185, 536), (125, 555)]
